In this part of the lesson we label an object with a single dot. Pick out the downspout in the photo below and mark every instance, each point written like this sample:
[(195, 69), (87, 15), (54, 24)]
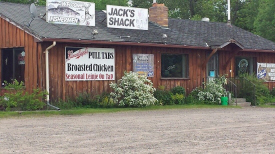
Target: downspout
[(48, 76)]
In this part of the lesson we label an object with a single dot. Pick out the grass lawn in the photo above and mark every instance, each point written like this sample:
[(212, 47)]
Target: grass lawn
[(80, 111)]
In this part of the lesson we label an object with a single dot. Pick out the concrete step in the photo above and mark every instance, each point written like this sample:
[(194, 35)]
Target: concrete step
[(241, 102), (244, 104)]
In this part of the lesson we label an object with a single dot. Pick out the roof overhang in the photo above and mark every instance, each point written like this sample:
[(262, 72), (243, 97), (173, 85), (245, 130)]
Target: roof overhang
[(231, 41)]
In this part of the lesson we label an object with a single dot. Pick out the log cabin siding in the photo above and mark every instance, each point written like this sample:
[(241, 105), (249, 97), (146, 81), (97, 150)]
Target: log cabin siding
[(14, 37), (59, 88)]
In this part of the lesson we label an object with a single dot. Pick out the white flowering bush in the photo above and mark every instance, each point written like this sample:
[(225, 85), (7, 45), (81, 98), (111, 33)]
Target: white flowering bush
[(213, 91), (133, 91)]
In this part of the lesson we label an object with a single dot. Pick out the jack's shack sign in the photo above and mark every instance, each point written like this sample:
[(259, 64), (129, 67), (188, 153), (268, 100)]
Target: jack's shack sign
[(127, 17), (89, 64)]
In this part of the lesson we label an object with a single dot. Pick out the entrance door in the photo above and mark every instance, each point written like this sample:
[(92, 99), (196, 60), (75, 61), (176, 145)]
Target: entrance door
[(213, 67)]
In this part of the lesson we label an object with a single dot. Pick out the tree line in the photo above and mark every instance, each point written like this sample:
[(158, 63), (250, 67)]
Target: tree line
[(256, 16)]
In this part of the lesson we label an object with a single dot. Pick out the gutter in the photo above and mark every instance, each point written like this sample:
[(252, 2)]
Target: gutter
[(47, 76), (259, 50), (109, 42)]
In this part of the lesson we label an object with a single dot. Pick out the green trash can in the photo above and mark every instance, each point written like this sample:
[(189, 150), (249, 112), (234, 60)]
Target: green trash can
[(224, 101)]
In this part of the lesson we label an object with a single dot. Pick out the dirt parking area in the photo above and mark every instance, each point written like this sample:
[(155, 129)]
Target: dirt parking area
[(246, 130)]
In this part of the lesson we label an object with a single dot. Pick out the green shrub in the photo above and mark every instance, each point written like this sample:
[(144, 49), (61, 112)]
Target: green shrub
[(17, 98), (178, 94), (178, 90), (272, 92), (133, 91), (65, 104), (8, 103), (178, 98), (106, 102), (164, 97), (86, 100), (262, 92), (32, 101), (193, 98)]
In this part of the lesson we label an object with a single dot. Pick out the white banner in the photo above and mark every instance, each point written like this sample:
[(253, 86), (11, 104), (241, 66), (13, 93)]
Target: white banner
[(70, 12), (127, 17), (89, 64)]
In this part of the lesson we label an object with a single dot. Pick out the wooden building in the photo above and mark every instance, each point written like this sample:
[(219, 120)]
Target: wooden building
[(184, 52)]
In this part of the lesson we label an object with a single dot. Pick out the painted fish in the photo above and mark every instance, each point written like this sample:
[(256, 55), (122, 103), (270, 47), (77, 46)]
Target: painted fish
[(63, 11)]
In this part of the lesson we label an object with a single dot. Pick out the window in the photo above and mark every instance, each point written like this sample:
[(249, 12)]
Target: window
[(213, 66), (13, 64), (244, 65), (174, 66)]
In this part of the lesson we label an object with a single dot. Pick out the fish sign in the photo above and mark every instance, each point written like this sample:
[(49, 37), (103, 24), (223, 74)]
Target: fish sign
[(70, 12), (127, 17)]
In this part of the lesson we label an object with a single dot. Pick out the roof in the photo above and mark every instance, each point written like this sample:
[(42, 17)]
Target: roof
[(180, 32)]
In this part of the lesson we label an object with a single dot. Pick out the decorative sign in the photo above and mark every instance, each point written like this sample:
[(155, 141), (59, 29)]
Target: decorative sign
[(143, 64), (70, 12), (266, 71), (127, 17), (89, 64), (243, 65)]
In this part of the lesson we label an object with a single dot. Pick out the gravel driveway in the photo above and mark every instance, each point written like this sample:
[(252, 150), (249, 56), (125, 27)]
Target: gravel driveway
[(246, 130)]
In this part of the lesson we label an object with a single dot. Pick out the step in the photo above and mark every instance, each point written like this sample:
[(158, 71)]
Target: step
[(241, 102), (244, 104)]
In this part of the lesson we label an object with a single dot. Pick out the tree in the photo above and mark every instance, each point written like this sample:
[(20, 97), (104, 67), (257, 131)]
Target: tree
[(265, 21), (101, 4), (183, 9), (246, 15), (243, 12), (215, 10), (142, 3), (190, 9)]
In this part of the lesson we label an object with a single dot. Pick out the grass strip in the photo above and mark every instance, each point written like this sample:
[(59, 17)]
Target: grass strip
[(81, 111)]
